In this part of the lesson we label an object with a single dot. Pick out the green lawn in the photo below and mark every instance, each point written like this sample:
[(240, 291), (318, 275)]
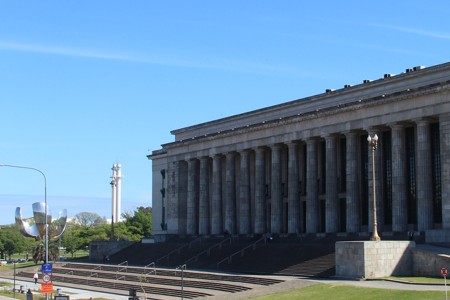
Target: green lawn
[(347, 292)]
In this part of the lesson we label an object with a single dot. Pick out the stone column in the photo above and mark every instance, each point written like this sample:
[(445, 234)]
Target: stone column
[(312, 198), (276, 195), (260, 193), (216, 203), (353, 217), (378, 183), (230, 193), (444, 131), (244, 194), (204, 220), (293, 189), (399, 203), (331, 198), (192, 197), (302, 187), (172, 197), (424, 176)]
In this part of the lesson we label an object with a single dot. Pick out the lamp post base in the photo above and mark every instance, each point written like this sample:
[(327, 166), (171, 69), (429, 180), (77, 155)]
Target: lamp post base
[(375, 237)]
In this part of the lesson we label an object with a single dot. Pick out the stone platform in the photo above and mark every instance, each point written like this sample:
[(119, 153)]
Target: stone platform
[(371, 259)]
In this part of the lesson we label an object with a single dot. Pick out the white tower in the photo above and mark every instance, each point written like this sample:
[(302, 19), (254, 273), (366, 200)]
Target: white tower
[(116, 192)]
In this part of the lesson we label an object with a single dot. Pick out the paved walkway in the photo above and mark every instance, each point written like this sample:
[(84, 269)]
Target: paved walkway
[(289, 283)]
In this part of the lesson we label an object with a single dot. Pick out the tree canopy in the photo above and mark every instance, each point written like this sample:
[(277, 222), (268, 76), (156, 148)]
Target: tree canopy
[(86, 227)]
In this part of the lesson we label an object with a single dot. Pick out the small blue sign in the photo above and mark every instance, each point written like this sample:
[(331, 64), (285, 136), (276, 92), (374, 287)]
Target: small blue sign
[(46, 268)]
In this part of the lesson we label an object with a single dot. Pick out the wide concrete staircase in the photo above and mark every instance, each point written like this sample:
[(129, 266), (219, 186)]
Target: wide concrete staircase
[(149, 281), (292, 255)]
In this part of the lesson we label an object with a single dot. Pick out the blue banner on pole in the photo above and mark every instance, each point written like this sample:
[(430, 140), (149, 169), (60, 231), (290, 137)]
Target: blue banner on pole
[(46, 268)]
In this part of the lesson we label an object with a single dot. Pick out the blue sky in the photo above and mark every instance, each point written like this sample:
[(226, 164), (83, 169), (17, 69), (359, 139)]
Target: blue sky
[(85, 84)]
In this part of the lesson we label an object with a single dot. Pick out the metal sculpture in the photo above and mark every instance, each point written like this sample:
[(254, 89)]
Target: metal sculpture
[(35, 227)]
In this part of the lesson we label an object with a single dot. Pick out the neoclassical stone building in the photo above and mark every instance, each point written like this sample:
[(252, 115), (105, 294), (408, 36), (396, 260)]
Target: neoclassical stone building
[(305, 166)]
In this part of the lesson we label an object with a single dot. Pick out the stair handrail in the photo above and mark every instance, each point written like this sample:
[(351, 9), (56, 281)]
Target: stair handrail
[(120, 268), (179, 249), (92, 275), (242, 251), (208, 251), (67, 273), (117, 279), (199, 239), (151, 271)]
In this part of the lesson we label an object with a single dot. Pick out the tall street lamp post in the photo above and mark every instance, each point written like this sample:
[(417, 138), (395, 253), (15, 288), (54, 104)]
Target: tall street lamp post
[(373, 144), (46, 206)]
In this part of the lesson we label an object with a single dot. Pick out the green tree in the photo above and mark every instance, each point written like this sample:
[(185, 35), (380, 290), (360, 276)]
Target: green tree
[(11, 241), (89, 219), (89, 234), (71, 240), (140, 223)]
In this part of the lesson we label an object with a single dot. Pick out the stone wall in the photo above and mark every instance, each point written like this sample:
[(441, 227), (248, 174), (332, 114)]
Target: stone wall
[(369, 259), (437, 236), (428, 260), (99, 250)]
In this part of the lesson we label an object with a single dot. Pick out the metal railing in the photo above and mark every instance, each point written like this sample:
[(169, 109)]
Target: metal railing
[(122, 266), (178, 250), (67, 273), (118, 278), (152, 271), (242, 251), (93, 274), (208, 251)]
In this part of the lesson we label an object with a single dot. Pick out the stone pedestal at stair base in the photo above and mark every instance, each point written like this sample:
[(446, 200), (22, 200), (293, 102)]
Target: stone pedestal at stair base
[(369, 259)]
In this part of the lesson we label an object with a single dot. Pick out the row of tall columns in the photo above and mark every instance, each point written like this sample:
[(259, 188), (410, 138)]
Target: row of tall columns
[(260, 192), (216, 203), (293, 189), (312, 197), (230, 193), (332, 198), (424, 176), (276, 217), (192, 195), (444, 130), (244, 194), (399, 201), (204, 219), (211, 201), (353, 215)]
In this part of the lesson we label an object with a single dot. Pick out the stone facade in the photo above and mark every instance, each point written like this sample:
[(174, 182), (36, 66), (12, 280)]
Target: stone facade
[(305, 166)]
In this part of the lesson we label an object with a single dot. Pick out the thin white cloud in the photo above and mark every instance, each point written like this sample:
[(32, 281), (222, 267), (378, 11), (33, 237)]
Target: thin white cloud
[(426, 33), (166, 60)]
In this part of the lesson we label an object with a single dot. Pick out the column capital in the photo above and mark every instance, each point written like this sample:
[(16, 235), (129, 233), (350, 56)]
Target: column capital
[(373, 130), (312, 140), (330, 136), (423, 121), (276, 145), (245, 151)]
